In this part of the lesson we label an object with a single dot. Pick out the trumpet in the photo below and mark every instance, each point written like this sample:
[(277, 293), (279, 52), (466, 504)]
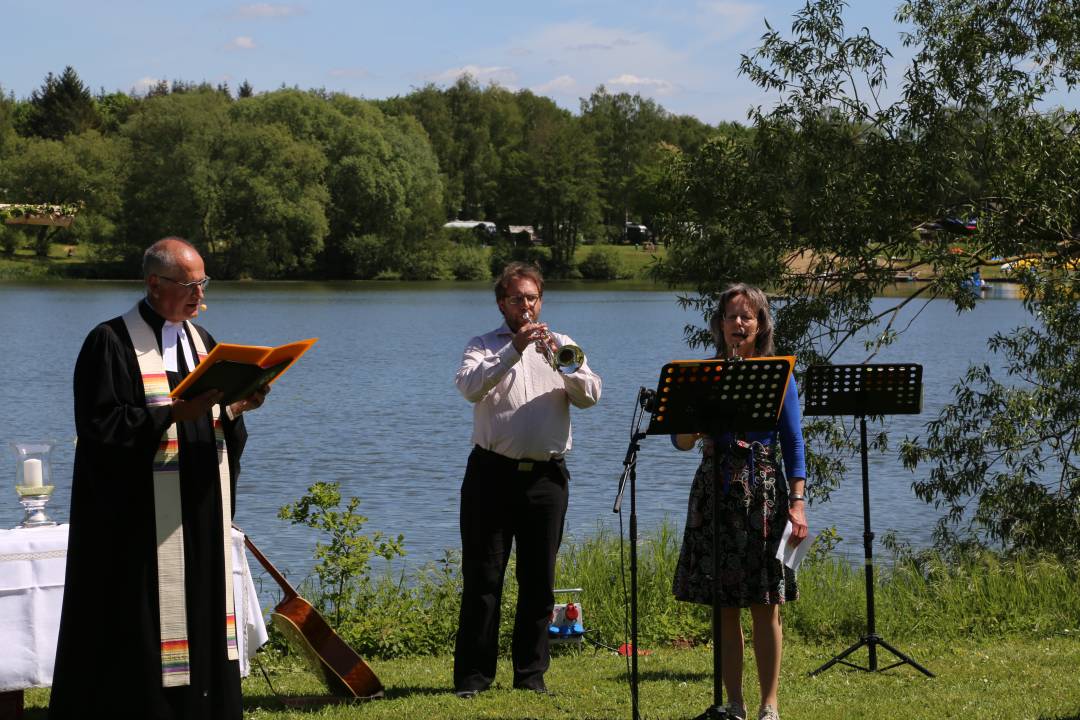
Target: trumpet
[(565, 359)]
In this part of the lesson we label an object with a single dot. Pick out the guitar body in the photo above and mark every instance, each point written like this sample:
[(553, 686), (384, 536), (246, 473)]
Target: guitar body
[(330, 657)]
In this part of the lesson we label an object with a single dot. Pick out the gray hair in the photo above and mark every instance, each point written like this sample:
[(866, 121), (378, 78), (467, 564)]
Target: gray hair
[(763, 342), (161, 256)]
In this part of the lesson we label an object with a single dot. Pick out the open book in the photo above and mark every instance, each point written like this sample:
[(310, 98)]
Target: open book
[(240, 370)]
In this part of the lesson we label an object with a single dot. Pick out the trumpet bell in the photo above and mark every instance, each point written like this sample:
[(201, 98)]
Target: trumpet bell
[(566, 359), (569, 359)]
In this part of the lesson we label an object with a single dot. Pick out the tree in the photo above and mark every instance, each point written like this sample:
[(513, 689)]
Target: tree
[(86, 170), (552, 180), (430, 106), (114, 109), (472, 131), (383, 183), (61, 106), (1013, 444), (170, 189), (7, 122), (266, 210), (834, 184), (627, 130)]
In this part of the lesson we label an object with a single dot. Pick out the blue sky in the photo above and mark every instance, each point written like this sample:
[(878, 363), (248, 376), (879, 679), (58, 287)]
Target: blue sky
[(682, 54)]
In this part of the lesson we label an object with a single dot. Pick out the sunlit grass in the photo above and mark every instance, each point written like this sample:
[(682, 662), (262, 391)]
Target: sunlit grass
[(1016, 677)]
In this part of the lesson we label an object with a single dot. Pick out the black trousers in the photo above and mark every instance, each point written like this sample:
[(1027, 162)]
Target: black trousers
[(504, 501)]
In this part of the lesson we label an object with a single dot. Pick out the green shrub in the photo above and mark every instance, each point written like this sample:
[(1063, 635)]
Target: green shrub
[(10, 239), (343, 563), (361, 257), (602, 263), (469, 263), (505, 252)]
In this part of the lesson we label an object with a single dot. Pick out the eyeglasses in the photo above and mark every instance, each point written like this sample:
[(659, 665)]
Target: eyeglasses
[(190, 286), (518, 299), (746, 319)]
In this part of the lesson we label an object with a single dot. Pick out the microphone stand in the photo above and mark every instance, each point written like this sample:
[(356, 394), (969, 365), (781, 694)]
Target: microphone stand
[(645, 403)]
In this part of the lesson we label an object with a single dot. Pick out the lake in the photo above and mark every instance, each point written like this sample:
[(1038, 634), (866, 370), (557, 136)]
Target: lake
[(373, 405)]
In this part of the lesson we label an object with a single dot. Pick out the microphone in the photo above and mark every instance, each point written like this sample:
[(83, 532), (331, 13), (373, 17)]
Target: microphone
[(647, 400)]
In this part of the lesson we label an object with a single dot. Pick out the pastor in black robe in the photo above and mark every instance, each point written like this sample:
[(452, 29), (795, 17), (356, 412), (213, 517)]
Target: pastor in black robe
[(108, 658)]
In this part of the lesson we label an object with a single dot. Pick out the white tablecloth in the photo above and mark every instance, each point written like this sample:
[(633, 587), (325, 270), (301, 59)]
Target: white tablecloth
[(32, 562)]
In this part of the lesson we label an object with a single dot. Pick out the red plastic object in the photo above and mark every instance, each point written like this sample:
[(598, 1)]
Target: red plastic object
[(624, 650)]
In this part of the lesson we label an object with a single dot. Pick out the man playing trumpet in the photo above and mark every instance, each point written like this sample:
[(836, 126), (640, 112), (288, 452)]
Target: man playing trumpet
[(516, 483)]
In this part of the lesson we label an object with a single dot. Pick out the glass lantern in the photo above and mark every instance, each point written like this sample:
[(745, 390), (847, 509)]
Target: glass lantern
[(33, 480)]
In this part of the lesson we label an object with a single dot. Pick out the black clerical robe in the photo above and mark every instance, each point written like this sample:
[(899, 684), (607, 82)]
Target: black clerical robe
[(108, 661)]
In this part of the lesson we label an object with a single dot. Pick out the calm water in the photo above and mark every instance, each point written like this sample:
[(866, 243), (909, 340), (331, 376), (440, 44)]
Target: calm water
[(373, 405)]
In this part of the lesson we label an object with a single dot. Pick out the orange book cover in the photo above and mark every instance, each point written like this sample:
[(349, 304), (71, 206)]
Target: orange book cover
[(239, 370)]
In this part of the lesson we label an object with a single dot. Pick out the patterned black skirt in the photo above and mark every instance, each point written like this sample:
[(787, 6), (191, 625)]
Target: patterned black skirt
[(753, 512)]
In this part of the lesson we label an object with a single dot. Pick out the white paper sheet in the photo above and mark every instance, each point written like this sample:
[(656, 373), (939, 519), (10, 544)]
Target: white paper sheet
[(792, 555)]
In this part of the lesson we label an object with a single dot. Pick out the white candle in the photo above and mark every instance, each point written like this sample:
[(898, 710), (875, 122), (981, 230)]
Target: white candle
[(32, 473)]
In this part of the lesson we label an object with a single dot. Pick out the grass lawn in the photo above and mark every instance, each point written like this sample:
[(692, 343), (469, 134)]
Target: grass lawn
[(1014, 677), (26, 265)]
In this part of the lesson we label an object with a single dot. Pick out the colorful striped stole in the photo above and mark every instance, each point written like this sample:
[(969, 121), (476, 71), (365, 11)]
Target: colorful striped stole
[(168, 519)]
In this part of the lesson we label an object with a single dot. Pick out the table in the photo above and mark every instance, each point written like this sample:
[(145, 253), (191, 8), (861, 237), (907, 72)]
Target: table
[(32, 562)]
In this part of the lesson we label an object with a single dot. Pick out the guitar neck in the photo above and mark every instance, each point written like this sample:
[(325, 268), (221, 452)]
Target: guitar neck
[(288, 589)]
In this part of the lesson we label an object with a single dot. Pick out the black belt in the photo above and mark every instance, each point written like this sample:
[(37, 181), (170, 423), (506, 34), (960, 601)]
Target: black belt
[(518, 464)]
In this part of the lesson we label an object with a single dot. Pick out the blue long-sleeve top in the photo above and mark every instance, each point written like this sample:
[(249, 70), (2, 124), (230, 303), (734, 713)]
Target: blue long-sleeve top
[(788, 429)]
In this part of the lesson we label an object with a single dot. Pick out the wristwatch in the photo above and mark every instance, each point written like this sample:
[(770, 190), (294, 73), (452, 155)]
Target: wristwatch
[(795, 496)]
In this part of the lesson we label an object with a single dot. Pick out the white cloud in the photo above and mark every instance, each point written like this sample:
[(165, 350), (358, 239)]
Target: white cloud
[(588, 55), (495, 73), (268, 10), (241, 42), (146, 83), (627, 80), (564, 84)]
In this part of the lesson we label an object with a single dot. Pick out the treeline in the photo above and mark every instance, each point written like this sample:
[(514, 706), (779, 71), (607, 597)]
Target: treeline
[(312, 184)]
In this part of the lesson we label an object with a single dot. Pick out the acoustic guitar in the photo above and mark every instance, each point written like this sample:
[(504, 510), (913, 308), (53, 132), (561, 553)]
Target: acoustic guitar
[(345, 672)]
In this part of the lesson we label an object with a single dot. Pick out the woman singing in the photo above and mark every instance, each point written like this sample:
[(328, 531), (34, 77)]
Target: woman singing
[(758, 497)]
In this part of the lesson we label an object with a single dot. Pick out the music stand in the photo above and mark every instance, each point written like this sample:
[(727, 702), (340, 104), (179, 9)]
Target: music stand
[(861, 390), (717, 397)]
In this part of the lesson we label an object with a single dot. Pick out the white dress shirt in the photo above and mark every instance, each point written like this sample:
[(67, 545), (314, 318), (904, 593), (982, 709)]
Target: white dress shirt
[(173, 335), (521, 406)]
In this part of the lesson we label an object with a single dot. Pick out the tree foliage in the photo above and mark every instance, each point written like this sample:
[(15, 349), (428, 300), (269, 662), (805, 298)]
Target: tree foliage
[(1004, 455), (627, 131), (836, 190), (85, 170), (61, 106), (377, 179)]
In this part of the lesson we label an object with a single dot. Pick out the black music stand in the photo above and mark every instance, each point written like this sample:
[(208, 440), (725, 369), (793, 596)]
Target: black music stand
[(717, 397), (861, 390)]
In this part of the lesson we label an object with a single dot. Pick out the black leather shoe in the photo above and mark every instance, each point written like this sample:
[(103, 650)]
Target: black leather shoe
[(466, 694)]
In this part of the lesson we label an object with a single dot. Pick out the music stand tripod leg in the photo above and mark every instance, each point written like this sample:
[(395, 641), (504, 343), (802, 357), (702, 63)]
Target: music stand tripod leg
[(904, 658), (840, 658)]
